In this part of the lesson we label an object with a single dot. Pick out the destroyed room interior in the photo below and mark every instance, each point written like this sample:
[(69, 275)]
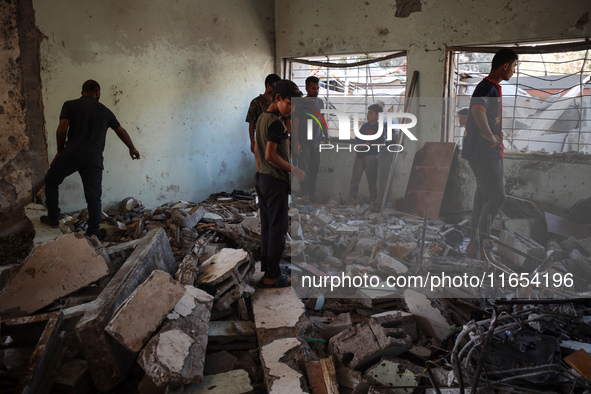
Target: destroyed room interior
[(389, 269)]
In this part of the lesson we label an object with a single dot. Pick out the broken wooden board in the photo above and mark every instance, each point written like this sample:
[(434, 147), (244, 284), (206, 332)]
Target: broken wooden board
[(581, 362), (44, 363), (428, 178), (564, 228), (322, 376)]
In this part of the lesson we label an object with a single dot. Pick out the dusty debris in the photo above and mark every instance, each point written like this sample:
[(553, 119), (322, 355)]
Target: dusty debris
[(367, 331)]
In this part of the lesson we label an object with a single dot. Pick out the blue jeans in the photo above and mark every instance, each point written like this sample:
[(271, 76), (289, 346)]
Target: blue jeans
[(91, 172)]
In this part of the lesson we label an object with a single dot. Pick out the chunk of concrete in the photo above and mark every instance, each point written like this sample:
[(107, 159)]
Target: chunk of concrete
[(388, 373), (144, 310), (521, 243), (231, 335), (280, 378), (54, 270), (252, 226), (429, 319), (176, 354), (109, 361), (235, 382), (402, 249), (338, 324), (278, 313), (365, 343), (219, 362), (390, 264), (74, 377), (188, 218), (229, 271)]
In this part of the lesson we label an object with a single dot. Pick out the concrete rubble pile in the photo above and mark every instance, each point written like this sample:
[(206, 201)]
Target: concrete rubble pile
[(169, 304)]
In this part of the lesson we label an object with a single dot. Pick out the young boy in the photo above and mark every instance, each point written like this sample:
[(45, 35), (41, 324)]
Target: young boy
[(483, 146), (273, 181), (367, 161)]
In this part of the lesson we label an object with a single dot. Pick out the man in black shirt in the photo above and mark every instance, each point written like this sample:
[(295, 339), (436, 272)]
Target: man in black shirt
[(81, 136)]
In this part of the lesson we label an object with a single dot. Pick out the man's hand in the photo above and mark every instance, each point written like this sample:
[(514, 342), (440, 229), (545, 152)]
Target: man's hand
[(299, 174), (495, 141), (135, 155)]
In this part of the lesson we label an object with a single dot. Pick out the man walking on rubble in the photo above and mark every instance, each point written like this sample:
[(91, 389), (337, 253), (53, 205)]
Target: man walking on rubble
[(81, 136), (483, 146)]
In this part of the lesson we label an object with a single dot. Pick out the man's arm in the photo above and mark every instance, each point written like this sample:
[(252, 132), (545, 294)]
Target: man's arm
[(479, 114), (251, 135), (272, 157), (123, 136), (61, 134)]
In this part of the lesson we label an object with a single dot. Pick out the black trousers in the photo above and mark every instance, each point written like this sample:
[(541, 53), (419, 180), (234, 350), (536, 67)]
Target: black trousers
[(91, 173), (490, 193), (274, 203), (309, 162)]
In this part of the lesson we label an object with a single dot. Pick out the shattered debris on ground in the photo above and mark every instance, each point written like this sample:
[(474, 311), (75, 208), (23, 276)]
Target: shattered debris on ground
[(170, 304)]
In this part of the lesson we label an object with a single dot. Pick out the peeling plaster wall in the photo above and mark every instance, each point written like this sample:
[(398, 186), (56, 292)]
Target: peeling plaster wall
[(179, 76), (23, 155), (425, 29)]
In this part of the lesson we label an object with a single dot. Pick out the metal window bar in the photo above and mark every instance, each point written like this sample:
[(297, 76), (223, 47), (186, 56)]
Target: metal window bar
[(354, 87)]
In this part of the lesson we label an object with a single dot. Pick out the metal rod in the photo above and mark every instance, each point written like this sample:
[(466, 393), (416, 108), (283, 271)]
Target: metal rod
[(489, 335), (433, 382)]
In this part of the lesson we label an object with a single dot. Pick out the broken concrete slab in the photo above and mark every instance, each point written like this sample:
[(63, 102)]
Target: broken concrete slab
[(188, 218), (428, 318), (176, 354), (351, 380), (229, 271), (521, 243), (365, 343), (108, 360), (219, 362), (336, 325), (278, 313), (74, 377), (144, 310), (231, 335), (252, 226), (54, 270), (390, 265), (235, 382), (279, 377), (388, 373)]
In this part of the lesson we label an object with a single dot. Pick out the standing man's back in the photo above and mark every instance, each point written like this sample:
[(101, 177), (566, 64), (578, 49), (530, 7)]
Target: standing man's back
[(81, 136)]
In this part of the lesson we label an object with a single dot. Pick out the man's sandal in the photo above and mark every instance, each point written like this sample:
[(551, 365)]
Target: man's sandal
[(282, 281)]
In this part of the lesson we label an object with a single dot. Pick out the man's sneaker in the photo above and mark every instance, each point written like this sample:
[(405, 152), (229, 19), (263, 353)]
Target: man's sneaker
[(51, 222), (102, 233)]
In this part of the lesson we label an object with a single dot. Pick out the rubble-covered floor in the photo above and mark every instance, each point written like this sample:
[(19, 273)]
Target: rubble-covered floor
[(170, 304)]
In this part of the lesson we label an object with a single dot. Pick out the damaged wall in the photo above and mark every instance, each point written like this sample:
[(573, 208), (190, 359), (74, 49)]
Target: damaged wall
[(179, 76), (425, 29), (23, 155)]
